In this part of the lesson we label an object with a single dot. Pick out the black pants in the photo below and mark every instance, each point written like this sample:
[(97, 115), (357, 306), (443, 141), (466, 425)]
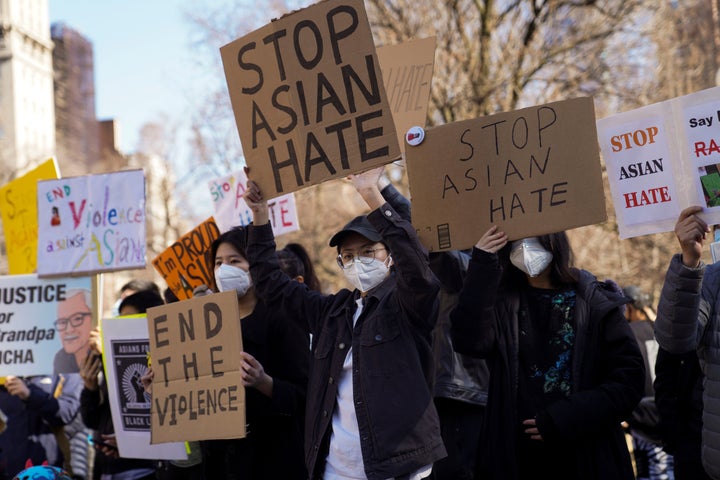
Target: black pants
[(460, 426)]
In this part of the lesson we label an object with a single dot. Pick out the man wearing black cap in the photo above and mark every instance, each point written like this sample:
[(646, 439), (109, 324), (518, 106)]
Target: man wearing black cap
[(369, 411)]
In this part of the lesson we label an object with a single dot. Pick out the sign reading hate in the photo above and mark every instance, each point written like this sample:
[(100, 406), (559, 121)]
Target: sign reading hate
[(308, 98), (530, 172), (18, 203), (185, 264), (92, 223), (197, 390)]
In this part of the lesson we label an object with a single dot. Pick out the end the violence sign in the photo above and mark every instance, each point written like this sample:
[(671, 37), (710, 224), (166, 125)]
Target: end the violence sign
[(308, 98)]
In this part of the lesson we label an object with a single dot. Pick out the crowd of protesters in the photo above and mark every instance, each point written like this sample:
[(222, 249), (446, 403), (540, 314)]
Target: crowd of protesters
[(504, 361)]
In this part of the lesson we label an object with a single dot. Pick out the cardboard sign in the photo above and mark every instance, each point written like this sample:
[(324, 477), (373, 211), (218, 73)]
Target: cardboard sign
[(197, 391), (18, 203), (407, 74), (308, 98), (231, 209), (125, 347), (186, 264), (44, 323), (92, 223), (661, 159), (530, 172)]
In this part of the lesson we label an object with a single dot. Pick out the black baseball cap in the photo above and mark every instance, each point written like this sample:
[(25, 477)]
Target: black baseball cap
[(359, 225)]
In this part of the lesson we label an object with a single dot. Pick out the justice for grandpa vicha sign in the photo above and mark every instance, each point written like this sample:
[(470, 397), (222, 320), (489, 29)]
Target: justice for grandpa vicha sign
[(92, 223), (308, 98), (195, 349), (530, 172)]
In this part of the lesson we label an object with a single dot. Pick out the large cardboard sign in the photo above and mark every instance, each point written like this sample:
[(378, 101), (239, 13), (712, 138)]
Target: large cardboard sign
[(308, 98), (407, 70), (18, 205), (661, 159), (530, 172), (186, 263), (125, 349), (92, 223), (231, 209), (45, 324), (197, 391)]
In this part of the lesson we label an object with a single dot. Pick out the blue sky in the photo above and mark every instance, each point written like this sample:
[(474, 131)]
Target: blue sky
[(143, 60)]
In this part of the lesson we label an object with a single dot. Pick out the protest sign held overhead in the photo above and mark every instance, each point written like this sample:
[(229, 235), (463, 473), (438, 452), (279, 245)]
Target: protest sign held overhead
[(661, 159), (44, 324), (530, 172), (407, 70), (91, 224), (18, 204), (186, 264), (125, 345), (198, 392), (231, 209), (308, 98)]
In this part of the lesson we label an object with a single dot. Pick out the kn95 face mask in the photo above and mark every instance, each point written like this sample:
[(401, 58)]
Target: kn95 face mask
[(529, 256)]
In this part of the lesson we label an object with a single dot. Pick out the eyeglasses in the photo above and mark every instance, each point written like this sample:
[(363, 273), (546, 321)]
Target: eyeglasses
[(75, 320), (366, 256)]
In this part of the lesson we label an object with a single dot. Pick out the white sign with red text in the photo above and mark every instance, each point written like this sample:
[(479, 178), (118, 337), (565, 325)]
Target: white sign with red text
[(231, 209), (661, 159)]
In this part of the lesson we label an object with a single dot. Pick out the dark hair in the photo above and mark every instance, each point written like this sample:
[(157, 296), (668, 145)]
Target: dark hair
[(237, 237), (295, 261), (562, 273), (170, 296), (138, 285), (142, 300)]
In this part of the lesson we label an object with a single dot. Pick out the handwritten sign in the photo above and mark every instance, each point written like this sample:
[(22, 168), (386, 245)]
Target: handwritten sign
[(18, 203), (197, 390), (36, 332), (231, 209), (186, 264), (530, 172), (308, 100), (92, 223), (125, 346), (661, 159), (407, 74)]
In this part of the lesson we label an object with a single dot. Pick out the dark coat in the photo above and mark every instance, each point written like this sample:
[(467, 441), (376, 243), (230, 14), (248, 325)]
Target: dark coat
[(607, 374), (392, 357)]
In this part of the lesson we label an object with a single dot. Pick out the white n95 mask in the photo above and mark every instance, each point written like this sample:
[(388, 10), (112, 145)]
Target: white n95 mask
[(229, 278), (365, 277), (529, 256)]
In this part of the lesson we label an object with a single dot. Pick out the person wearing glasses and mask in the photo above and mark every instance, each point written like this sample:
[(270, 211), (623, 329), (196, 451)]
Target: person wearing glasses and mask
[(370, 411), (565, 369), (74, 324)]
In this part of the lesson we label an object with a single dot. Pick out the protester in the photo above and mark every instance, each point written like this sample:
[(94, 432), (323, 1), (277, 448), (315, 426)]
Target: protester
[(275, 361), (73, 324), (95, 406), (651, 459), (35, 409), (133, 286), (370, 412), (688, 320), (565, 369), (461, 382)]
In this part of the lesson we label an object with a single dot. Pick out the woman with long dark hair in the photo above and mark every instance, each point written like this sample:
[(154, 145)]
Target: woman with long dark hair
[(565, 369)]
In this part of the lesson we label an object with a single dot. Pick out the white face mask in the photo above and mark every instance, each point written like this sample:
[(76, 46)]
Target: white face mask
[(366, 277), (229, 278), (529, 256)]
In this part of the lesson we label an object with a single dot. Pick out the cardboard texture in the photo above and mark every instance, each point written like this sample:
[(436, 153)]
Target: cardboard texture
[(407, 70), (91, 224), (197, 390), (18, 205), (530, 172), (661, 159), (184, 265), (308, 98)]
